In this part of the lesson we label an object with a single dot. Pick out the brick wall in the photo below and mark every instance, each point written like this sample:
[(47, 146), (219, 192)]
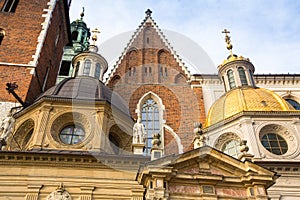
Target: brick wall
[(19, 45), (149, 66)]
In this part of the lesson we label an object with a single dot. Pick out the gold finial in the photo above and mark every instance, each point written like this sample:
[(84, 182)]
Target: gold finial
[(95, 35), (227, 40), (82, 13)]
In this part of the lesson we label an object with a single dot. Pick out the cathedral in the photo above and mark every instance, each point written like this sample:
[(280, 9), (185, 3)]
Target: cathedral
[(151, 130)]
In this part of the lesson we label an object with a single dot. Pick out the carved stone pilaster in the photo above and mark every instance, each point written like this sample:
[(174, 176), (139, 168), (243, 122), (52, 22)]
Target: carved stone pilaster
[(86, 193), (39, 138), (33, 192), (137, 193)]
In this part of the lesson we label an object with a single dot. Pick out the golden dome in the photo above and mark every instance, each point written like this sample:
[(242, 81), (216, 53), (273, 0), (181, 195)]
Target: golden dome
[(245, 99)]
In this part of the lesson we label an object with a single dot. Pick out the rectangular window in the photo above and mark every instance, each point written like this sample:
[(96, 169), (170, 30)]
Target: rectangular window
[(64, 68), (10, 6)]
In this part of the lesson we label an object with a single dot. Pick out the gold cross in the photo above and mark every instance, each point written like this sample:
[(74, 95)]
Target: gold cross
[(227, 40), (225, 31), (95, 35)]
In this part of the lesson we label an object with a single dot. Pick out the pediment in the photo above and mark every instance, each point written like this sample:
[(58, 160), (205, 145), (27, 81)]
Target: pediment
[(207, 163)]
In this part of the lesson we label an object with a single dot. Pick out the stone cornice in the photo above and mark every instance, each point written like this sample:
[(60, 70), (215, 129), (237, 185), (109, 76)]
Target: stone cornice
[(73, 159), (275, 114)]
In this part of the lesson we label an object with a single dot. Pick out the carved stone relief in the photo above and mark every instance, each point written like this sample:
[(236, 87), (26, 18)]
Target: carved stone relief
[(59, 194), (224, 138)]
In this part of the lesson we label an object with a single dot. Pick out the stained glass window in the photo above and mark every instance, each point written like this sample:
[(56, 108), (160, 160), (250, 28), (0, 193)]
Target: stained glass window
[(150, 119), (72, 134)]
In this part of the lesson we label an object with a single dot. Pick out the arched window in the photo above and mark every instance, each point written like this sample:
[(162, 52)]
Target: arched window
[(74, 35), (242, 75), (150, 119), (87, 67), (231, 79), (2, 34), (274, 143), (72, 134), (98, 71), (294, 103), (232, 148)]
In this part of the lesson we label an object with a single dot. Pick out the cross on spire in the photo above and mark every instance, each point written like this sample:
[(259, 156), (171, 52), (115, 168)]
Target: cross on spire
[(148, 13), (96, 32), (227, 40)]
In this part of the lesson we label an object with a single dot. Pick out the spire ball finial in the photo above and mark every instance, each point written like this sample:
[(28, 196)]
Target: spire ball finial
[(82, 13), (227, 40), (148, 13)]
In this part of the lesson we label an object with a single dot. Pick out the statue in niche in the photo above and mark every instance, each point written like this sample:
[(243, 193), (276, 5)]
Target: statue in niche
[(59, 194), (7, 128), (138, 132)]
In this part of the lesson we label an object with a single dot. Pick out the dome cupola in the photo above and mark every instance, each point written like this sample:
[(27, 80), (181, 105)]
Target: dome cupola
[(235, 71), (241, 94), (90, 63)]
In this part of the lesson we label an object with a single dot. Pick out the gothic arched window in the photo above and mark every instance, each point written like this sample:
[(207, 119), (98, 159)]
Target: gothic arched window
[(87, 67), (230, 77), (97, 71), (242, 75), (150, 119)]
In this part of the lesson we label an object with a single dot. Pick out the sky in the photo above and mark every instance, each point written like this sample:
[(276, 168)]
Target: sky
[(267, 32)]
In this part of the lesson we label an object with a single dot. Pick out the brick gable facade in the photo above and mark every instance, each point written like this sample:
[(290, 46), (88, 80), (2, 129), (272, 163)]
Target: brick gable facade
[(150, 66)]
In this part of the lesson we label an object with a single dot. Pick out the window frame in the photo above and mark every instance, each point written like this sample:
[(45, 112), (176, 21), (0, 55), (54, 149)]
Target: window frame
[(243, 76), (10, 6), (231, 80), (87, 67), (73, 131)]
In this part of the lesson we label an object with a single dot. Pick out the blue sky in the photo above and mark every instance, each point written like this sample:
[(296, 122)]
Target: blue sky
[(267, 32)]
